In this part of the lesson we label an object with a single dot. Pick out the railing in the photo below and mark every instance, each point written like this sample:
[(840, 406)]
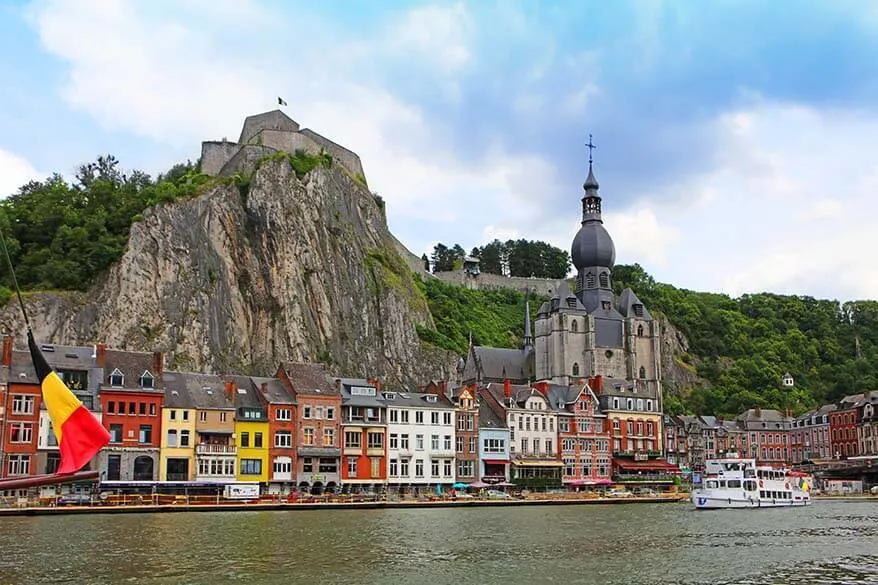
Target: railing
[(212, 449), (645, 477)]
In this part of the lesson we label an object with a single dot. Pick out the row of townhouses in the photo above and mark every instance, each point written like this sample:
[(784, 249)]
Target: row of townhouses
[(304, 429), (848, 428)]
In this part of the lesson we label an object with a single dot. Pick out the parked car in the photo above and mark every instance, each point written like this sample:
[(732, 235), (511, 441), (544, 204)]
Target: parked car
[(645, 492), (497, 494), (74, 500), (619, 493)]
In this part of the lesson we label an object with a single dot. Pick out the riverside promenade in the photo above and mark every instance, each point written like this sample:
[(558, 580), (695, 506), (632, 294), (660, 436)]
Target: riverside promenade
[(233, 506)]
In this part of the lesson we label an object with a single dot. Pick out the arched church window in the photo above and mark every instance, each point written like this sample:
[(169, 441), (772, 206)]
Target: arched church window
[(605, 280), (642, 372), (640, 330), (589, 280), (574, 327), (575, 369)]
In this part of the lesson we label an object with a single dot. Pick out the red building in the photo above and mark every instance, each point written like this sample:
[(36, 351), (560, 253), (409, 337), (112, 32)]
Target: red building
[(131, 395), (318, 425), (843, 423), (282, 433), (582, 432), (21, 399), (364, 425)]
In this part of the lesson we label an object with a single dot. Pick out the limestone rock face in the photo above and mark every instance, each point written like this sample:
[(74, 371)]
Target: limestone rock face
[(237, 279), (677, 373)]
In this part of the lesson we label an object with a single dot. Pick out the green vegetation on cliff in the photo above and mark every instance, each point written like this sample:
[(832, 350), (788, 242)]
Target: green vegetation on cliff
[(494, 317), (742, 346)]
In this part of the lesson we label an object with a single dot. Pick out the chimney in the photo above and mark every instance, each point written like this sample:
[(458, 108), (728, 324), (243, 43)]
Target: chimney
[(230, 391), (158, 363), (338, 384), (758, 412), (507, 390), (100, 355), (7, 350)]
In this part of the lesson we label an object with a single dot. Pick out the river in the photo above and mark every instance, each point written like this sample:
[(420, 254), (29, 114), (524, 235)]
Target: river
[(829, 542)]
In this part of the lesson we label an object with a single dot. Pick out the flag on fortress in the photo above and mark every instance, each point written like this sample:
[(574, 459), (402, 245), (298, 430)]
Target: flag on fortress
[(80, 435), (281, 102)]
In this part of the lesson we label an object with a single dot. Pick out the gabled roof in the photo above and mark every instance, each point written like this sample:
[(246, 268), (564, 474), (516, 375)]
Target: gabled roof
[(520, 393), (350, 399), (313, 379), (419, 400), (489, 418), (203, 391), (497, 363), (132, 365), (627, 300), (246, 393), (273, 390)]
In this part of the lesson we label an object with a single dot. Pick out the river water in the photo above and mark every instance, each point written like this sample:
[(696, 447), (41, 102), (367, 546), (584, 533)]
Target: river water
[(829, 542)]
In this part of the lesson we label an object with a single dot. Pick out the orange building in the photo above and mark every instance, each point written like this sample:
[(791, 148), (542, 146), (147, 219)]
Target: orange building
[(282, 434), (21, 398), (364, 426)]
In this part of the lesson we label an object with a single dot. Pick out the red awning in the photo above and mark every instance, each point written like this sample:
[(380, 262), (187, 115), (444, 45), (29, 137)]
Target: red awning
[(496, 461), (654, 465)]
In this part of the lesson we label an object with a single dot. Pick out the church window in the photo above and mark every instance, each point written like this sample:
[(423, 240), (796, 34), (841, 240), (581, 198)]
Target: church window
[(605, 280), (615, 407), (640, 330), (574, 327), (575, 369), (589, 280), (605, 305), (642, 372), (638, 310)]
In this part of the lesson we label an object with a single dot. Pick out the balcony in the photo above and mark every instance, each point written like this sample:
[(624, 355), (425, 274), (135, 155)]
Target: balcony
[(210, 449), (375, 451)]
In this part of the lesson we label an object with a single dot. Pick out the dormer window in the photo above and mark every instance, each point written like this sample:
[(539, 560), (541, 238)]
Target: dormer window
[(147, 380), (638, 310), (589, 280), (605, 305), (117, 379), (431, 397)]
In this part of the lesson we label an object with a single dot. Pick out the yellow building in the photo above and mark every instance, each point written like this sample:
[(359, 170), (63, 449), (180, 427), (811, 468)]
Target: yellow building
[(177, 455), (251, 430)]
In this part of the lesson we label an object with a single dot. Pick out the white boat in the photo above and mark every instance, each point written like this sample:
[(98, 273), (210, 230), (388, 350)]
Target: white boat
[(740, 483)]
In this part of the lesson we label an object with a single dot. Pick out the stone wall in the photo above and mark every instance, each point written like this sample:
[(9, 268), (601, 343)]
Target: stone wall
[(543, 286), (350, 160), (245, 159), (215, 155)]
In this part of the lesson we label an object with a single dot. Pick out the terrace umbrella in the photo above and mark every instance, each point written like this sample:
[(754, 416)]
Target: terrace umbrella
[(459, 486), (479, 485)]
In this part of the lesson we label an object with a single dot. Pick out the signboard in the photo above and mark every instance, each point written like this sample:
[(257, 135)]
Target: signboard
[(242, 491)]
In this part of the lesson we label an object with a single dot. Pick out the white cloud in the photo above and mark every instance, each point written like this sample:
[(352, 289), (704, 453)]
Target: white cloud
[(15, 172), (791, 206)]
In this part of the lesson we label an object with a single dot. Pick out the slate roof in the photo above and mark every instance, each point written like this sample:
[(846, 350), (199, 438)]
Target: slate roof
[(627, 300), (766, 418), (418, 400), (349, 399), (132, 365), (246, 394), (489, 418), (520, 393), (202, 391), (273, 390), (491, 364), (560, 396), (311, 379)]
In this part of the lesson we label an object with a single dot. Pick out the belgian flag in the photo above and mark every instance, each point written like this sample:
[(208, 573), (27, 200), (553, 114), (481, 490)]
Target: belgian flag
[(80, 435)]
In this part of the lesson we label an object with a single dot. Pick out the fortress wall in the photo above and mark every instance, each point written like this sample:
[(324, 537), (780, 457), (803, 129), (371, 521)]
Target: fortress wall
[(414, 263), (215, 155), (245, 159), (349, 159), (274, 120), (289, 141), (543, 286)]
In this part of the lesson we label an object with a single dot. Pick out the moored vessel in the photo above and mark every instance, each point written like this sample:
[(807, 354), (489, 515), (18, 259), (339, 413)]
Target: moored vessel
[(740, 483)]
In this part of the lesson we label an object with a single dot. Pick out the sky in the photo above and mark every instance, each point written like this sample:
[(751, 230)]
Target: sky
[(737, 141)]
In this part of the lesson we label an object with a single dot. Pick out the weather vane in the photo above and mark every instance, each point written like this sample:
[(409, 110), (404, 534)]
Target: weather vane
[(590, 148)]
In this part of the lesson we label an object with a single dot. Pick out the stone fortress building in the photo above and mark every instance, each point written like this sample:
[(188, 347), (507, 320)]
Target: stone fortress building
[(590, 334), (265, 134)]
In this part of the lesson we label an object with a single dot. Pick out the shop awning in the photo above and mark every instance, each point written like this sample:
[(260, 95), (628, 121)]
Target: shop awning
[(537, 463), (496, 461), (656, 465)]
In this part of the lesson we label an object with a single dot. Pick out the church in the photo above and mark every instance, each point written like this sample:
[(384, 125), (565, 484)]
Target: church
[(590, 334)]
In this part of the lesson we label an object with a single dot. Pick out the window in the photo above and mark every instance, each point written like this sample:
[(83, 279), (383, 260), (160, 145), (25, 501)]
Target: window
[(536, 446), (434, 418), (147, 380), (111, 407), (640, 330), (142, 408), (394, 468), (21, 432), (330, 413), (202, 416), (404, 417), (283, 466), (172, 414), (375, 441), (22, 404), (222, 417), (615, 404), (145, 434), (419, 442), (257, 440), (251, 466), (447, 443), (283, 414), (318, 412), (172, 438), (642, 372), (589, 280), (307, 465), (283, 439), (446, 468), (185, 415), (115, 433), (394, 441), (494, 445), (404, 468), (375, 466), (352, 467), (434, 442), (446, 418), (419, 417), (353, 439), (434, 467), (549, 449), (394, 415), (574, 327), (459, 444), (245, 440), (329, 437), (575, 369), (117, 379), (404, 442), (465, 468), (306, 412), (152, 409), (18, 465), (419, 468), (473, 444), (523, 446), (605, 280), (184, 438)]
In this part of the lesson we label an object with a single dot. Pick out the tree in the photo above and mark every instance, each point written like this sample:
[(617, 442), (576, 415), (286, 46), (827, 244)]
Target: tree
[(492, 257), (426, 262)]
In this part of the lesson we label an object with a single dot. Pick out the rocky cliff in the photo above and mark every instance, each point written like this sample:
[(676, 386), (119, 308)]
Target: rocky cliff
[(253, 271)]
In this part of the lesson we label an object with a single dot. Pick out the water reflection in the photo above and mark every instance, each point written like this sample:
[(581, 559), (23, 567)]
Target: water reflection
[(632, 544)]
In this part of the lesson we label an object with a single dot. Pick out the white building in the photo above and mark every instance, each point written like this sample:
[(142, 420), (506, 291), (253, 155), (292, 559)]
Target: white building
[(533, 431), (420, 442)]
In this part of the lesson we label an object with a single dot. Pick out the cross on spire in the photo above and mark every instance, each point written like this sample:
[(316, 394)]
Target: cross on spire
[(590, 147)]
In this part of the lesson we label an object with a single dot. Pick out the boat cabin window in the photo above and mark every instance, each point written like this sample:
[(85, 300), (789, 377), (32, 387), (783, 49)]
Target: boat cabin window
[(710, 484), (750, 485), (734, 483)]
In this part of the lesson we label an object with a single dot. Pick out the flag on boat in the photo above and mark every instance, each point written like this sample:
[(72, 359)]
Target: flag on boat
[(80, 435)]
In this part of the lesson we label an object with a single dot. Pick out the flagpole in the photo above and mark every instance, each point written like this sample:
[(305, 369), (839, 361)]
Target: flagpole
[(14, 281)]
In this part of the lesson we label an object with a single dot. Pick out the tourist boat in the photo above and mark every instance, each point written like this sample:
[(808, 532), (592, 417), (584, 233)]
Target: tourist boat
[(740, 483)]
